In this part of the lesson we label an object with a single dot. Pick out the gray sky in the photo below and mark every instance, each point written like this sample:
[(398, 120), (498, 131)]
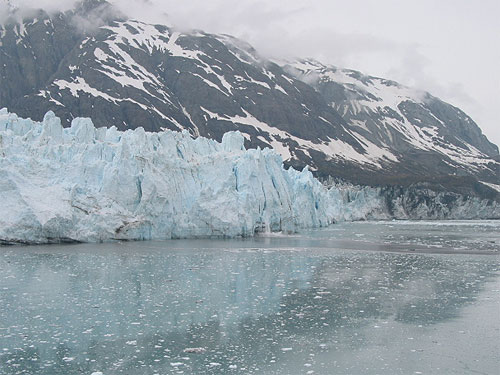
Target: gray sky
[(450, 48)]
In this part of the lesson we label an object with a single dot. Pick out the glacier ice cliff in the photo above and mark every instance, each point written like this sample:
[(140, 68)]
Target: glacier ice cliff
[(96, 184), (414, 202), (87, 184)]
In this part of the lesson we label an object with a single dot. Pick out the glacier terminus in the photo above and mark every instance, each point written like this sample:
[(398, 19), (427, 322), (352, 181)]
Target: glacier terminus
[(87, 184)]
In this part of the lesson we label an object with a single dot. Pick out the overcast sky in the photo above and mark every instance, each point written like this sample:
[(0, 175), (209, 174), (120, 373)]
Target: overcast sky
[(450, 48)]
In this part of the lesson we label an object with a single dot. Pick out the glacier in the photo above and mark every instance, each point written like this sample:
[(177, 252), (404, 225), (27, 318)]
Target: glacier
[(87, 184)]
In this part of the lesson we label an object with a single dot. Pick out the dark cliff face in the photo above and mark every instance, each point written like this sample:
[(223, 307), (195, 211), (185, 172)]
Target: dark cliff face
[(461, 127), (31, 53), (92, 62)]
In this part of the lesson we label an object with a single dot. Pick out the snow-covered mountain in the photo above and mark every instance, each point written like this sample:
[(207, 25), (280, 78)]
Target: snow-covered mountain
[(423, 131), (94, 63)]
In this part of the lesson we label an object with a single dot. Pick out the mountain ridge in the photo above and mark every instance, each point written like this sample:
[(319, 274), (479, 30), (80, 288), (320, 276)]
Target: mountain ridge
[(129, 73)]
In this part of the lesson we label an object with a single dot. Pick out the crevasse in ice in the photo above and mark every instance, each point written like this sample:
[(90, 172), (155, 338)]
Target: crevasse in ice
[(87, 184)]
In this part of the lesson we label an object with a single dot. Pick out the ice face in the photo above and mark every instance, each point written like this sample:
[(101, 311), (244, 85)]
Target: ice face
[(87, 184)]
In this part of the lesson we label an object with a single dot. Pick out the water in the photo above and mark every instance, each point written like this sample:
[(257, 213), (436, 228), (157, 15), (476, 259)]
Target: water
[(359, 298)]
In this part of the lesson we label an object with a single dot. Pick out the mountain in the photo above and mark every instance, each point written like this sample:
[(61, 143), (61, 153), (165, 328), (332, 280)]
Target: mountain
[(423, 131), (94, 62)]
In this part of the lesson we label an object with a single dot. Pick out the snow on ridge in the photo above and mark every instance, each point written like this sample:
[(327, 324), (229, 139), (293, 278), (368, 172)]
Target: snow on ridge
[(240, 49), (79, 84), (388, 93), (127, 63), (491, 185), (333, 148), (147, 36), (378, 95), (151, 38), (272, 132)]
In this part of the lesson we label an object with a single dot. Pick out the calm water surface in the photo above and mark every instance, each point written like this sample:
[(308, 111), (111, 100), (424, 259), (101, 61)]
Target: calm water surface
[(359, 298)]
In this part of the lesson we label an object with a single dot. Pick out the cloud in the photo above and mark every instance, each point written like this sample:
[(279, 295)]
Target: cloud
[(19, 9), (96, 17), (47, 5)]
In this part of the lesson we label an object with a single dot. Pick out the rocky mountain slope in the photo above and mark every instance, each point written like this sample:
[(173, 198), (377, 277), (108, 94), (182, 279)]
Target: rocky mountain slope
[(425, 132), (96, 63)]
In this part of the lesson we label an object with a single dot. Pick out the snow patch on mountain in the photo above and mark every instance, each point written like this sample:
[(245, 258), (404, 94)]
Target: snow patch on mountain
[(493, 186), (79, 84), (392, 116)]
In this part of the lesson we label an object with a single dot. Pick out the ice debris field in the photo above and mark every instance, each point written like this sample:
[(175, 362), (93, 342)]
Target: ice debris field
[(86, 184)]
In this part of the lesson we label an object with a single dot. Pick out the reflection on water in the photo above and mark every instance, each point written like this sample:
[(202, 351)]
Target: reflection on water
[(279, 305)]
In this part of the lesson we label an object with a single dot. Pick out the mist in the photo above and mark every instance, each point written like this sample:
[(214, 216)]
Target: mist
[(23, 8), (449, 48)]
